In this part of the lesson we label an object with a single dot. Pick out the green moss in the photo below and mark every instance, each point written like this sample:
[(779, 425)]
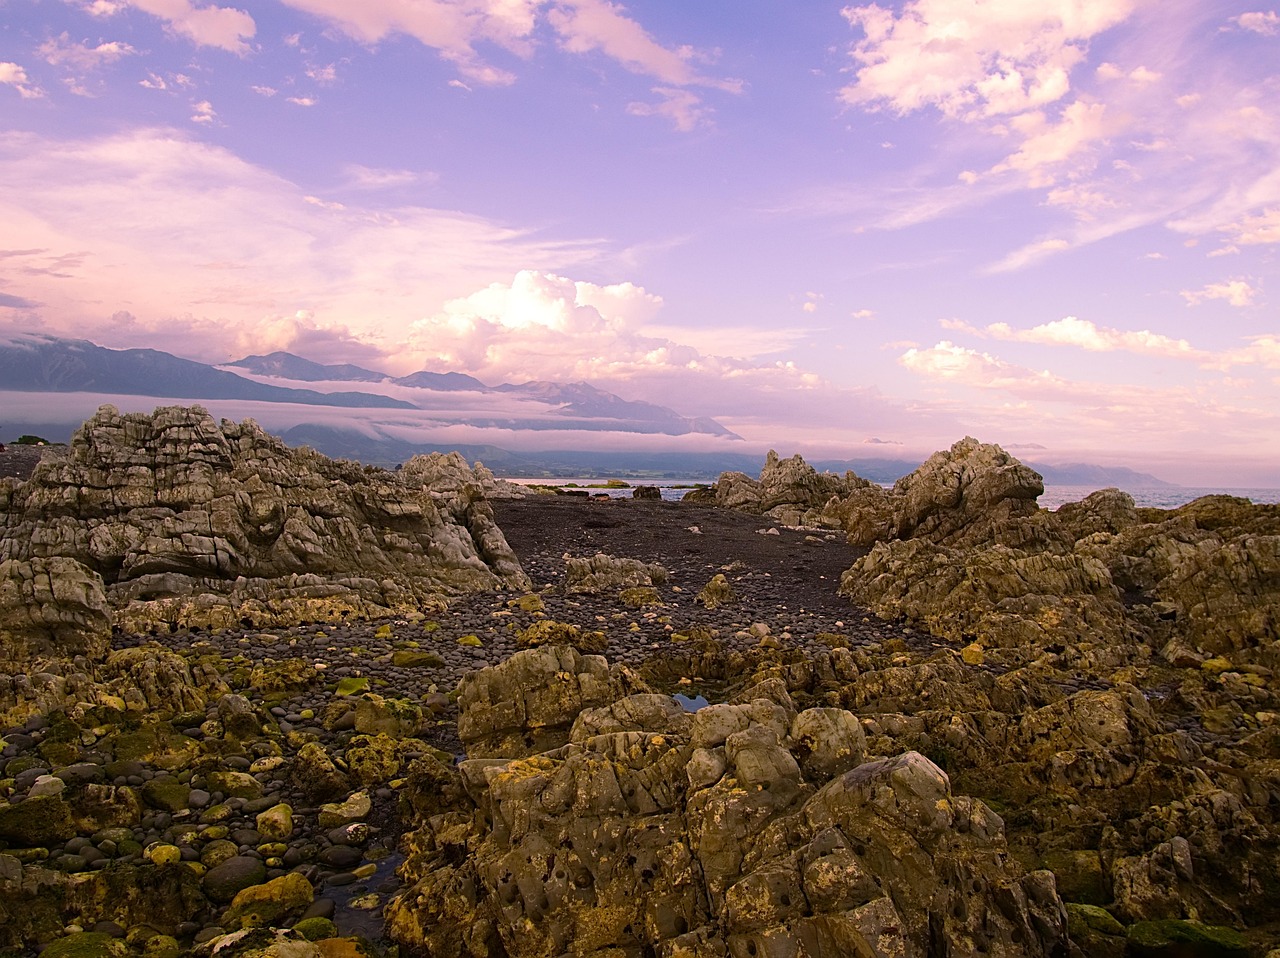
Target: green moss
[(415, 659), (471, 640), (166, 794), (1079, 876), (430, 626), (352, 685), (639, 597), (86, 944), (36, 822), (1081, 919), (1176, 938), (316, 929)]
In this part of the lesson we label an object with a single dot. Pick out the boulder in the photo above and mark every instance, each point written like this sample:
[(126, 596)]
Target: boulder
[(605, 573)]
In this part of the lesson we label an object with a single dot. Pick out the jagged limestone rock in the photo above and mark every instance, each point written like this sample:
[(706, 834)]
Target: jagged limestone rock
[(789, 490), (174, 519)]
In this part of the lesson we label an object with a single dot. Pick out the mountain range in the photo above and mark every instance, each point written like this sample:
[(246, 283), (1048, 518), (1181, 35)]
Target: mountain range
[(49, 385), (38, 363)]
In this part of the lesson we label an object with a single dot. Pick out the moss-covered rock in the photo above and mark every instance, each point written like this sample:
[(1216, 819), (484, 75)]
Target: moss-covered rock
[(166, 794), (416, 659), (316, 929), (268, 903), (1079, 876), (352, 685), (37, 822), (1176, 938), (86, 944)]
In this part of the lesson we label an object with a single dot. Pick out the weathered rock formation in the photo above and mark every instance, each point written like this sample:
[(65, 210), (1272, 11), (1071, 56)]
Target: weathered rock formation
[(960, 547), (790, 490), (173, 519), (748, 828)]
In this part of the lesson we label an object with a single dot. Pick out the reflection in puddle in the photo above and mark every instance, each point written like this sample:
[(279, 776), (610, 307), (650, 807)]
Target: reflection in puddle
[(691, 703), (360, 904)]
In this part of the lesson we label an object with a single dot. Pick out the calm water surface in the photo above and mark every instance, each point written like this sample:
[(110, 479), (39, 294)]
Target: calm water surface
[(1158, 497)]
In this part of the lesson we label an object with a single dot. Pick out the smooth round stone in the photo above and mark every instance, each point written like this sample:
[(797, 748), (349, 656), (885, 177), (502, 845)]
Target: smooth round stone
[(341, 878), (321, 908), (24, 780), (198, 798), (341, 856), (208, 934), (223, 882)]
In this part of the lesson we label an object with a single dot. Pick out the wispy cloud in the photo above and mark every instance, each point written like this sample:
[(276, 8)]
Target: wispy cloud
[(79, 56), (456, 28)]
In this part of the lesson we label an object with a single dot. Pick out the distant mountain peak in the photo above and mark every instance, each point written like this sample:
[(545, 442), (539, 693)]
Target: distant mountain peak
[(282, 365)]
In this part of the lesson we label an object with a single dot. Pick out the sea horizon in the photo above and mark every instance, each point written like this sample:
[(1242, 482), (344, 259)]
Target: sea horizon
[(1168, 496)]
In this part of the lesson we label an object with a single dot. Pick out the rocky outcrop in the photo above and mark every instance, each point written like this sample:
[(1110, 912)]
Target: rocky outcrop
[(173, 519), (789, 490), (747, 828), (961, 548), (972, 493)]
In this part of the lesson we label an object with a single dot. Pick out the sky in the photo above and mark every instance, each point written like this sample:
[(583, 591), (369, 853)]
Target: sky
[(840, 230)]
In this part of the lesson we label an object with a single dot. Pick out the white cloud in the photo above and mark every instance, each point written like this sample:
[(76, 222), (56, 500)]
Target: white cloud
[(11, 74), (203, 112), (324, 74), (267, 91), (213, 26), (1266, 23), (1236, 292), (302, 100), (1261, 228), (186, 235), (1048, 144), (1093, 415), (63, 51), (970, 59), (1083, 334), (588, 25)]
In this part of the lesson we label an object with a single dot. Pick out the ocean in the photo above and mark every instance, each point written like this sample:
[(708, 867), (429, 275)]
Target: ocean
[(1159, 497)]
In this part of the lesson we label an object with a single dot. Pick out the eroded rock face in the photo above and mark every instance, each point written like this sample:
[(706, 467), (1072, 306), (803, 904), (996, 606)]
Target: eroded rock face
[(789, 490), (747, 828), (960, 547), (973, 492), (175, 519)]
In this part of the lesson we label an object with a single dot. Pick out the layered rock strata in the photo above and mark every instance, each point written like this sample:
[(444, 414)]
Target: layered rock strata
[(173, 520)]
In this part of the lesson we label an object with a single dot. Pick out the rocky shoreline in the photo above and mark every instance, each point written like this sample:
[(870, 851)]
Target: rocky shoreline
[(929, 720)]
